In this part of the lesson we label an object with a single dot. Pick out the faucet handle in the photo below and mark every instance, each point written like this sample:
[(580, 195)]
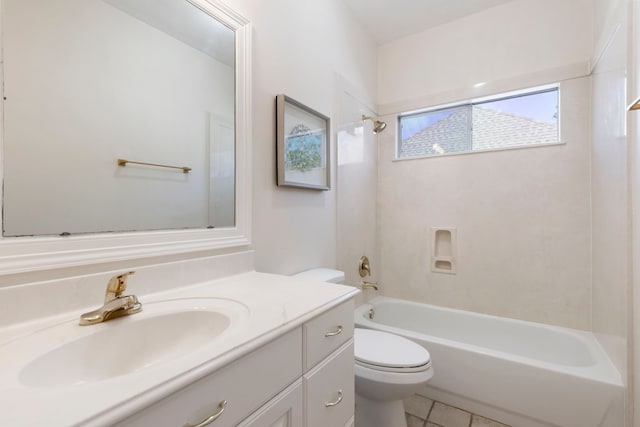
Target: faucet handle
[(117, 285), (364, 268)]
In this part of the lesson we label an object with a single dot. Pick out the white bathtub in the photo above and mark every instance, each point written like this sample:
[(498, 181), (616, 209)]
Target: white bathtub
[(529, 372)]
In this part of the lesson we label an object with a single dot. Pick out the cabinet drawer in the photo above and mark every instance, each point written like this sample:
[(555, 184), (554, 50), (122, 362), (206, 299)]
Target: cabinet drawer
[(324, 385), (245, 384), (327, 332)]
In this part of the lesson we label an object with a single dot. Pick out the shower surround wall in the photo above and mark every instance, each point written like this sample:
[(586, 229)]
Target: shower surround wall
[(609, 185), (356, 175), (523, 216)]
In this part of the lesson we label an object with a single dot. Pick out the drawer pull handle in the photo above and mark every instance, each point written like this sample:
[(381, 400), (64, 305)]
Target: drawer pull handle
[(334, 333), (213, 417), (330, 404)]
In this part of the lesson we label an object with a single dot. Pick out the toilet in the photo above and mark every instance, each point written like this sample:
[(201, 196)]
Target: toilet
[(388, 368)]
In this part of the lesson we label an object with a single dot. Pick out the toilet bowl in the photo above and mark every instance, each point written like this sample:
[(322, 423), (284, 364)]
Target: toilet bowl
[(388, 368)]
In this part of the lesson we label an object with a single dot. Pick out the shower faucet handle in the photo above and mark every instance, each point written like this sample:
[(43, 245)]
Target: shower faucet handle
[(364, 268)]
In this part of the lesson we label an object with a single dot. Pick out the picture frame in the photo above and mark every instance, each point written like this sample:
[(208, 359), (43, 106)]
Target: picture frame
[(303, 147)]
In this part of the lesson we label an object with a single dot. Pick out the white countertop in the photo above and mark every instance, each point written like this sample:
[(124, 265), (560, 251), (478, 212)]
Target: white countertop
[(275, 305)]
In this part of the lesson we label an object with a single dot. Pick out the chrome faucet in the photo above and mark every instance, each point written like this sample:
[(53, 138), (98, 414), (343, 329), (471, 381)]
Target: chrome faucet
[(115, 304)]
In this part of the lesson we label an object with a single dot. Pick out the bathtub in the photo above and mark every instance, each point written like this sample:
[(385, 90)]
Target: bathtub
[(524, 373)]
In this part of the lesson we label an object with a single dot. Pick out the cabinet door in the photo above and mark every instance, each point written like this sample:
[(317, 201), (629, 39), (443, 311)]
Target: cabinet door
[(329, 390), (284, 410)]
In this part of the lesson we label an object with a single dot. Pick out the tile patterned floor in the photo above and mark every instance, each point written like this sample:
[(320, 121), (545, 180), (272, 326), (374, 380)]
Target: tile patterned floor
[(424, 412)]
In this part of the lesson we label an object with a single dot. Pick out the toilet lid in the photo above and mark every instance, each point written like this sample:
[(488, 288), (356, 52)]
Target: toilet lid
[(388, 351)]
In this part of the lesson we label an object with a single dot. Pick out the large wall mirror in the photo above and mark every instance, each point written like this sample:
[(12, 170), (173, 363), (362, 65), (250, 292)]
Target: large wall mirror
[(125, 131)]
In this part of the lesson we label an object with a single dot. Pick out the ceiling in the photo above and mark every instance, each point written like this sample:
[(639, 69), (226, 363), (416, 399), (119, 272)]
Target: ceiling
[(388, 20)]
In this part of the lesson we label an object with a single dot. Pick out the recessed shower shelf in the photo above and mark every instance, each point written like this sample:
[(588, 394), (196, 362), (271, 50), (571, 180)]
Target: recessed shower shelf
[(443, 250)]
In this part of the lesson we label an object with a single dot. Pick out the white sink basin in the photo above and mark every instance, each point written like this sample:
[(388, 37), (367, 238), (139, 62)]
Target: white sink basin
[(68, 354)]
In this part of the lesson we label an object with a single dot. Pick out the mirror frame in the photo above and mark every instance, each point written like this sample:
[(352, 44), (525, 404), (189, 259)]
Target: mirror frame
[(25, 254)]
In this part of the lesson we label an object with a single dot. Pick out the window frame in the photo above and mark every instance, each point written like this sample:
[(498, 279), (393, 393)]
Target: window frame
[(478, 101)]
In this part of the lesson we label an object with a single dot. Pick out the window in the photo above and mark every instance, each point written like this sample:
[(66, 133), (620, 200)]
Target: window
[(504, 121)]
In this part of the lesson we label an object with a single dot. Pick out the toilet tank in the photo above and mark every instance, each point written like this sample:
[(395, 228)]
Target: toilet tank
[(322, 275)]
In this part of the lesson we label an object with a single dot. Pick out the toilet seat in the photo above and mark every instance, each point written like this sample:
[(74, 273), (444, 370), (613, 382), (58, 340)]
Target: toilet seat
[(383, 351)]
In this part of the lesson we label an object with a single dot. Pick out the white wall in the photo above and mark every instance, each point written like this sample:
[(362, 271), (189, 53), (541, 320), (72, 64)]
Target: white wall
[(77, 103), (606, 13), (299, 48), (523, 216)]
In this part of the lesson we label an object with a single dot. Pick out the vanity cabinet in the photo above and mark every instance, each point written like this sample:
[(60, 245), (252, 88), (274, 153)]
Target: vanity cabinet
[(305, 378)]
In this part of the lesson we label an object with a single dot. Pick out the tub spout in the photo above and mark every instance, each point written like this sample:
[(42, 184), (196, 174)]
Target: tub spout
[(370, 285)]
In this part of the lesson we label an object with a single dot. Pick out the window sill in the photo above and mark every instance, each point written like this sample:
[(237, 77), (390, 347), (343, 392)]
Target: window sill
[(464, 153)]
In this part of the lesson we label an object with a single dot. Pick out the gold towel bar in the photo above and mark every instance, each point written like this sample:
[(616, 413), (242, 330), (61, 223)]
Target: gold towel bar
[(123, 162)]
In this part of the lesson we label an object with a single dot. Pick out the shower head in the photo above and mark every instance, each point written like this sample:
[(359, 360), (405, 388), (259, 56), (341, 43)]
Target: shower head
[(378, 126)]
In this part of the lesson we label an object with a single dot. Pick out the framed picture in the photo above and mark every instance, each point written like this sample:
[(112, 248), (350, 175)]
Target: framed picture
[(302, 145)]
